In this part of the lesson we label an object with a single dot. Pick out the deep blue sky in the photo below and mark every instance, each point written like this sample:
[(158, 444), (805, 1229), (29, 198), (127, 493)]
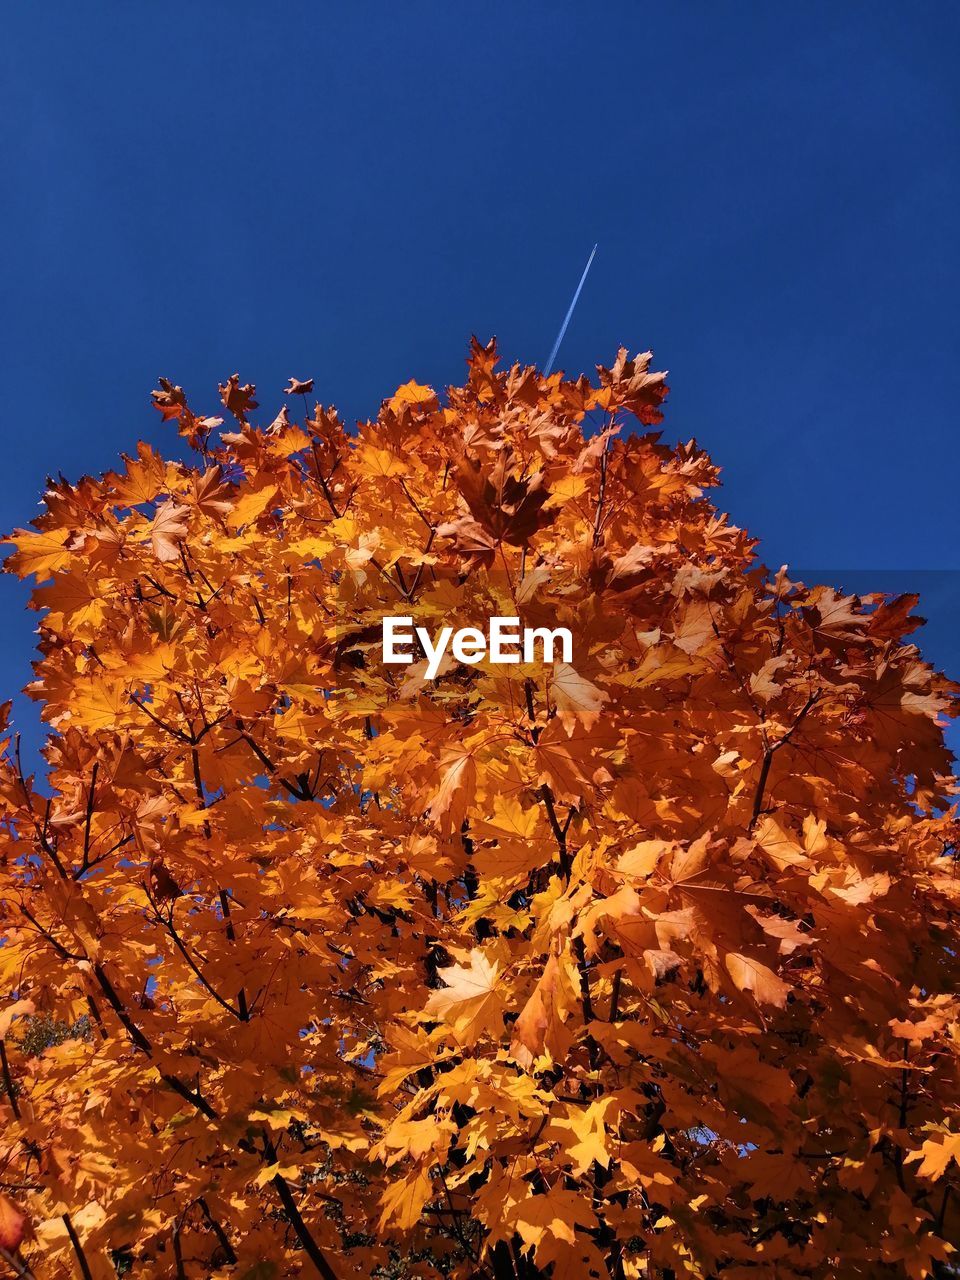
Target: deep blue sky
[(349, 191)]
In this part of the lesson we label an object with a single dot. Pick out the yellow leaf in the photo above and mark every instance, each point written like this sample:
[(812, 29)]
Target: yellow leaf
[(99, 704), (74, 596), (413, 393), (288, 1172), (168, 529), (936, 1154), (779, 845), (469, 1001), (39, 553), (251, 505), (403, 1201), (575, 697), (762, 983)]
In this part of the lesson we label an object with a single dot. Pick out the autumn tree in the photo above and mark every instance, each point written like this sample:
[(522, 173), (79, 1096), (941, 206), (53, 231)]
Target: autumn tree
[(638, 965)]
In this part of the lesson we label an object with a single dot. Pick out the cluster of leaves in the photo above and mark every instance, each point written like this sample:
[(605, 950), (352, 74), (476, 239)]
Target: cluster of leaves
[(642, 965)]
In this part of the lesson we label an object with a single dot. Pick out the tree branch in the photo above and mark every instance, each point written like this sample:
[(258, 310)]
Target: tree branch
[(84, 1266)]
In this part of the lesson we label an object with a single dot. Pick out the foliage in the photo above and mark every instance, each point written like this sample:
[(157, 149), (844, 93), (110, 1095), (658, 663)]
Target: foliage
[(642, 965)]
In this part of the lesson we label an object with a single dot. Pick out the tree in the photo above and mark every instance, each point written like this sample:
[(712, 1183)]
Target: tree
[(641, 964)]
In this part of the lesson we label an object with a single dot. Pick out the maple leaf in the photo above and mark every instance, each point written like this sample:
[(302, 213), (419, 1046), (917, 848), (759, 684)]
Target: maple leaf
[(936, 1154), (211, 496), (750, 975), (170, 400), (147, 476), (449, 805), (168, 529), (469, 1000), (555, 1214), (519, 841), (236, 399), (280, 424), (573, 763), (629, 383), (509, 508), (471, 540), (172, 404), (42, 554), (404, 1199), (413, 394), (577, 700), (100, 704), (299, 387), (779, 845), (74, 596), (627, 571), (547, 1008), (584, 1134), (250, 506), (917, 1032)]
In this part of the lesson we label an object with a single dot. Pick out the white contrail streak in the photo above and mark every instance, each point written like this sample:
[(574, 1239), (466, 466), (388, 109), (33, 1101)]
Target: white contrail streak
[(566, 318)]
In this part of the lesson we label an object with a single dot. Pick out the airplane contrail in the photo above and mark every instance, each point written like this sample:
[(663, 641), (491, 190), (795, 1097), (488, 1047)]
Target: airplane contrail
[(566, 319)]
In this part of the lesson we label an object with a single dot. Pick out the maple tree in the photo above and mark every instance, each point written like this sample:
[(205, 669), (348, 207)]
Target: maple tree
[(638, 965)]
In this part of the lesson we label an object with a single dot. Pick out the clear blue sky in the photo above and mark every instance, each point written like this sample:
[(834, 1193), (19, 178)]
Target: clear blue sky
[(348, 191)]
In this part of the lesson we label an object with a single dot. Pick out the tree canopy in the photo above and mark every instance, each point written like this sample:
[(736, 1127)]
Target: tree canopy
[(638, 965)]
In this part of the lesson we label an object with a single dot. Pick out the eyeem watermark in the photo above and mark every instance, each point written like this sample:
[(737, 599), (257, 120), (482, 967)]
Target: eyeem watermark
[(505, 642)]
